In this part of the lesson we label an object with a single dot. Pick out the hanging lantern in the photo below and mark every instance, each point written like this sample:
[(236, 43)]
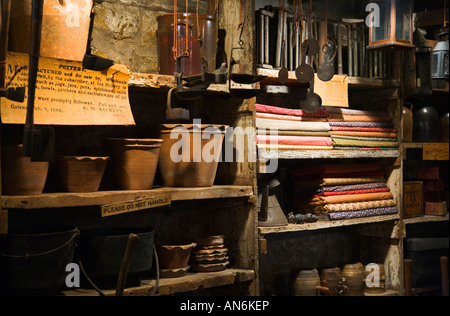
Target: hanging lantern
[(440, 59), (391, 24)]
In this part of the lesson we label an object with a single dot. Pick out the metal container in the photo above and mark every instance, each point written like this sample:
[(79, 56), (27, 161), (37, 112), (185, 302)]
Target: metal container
[(206, 36), (35, 263), (444, 129), (408, 122), (65, 28)]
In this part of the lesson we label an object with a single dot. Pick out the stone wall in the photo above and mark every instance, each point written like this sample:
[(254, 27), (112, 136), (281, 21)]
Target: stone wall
[(126, 30)]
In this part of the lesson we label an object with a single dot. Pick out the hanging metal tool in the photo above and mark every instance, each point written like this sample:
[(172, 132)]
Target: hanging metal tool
[(38, 143), (283, 74), (326, 70)]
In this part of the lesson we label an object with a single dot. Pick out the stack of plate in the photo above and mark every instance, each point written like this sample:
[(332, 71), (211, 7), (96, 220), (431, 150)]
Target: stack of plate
[(210, 255)]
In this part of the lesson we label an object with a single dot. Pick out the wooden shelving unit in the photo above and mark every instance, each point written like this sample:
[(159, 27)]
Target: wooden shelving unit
[(426, 219), (430, 151)]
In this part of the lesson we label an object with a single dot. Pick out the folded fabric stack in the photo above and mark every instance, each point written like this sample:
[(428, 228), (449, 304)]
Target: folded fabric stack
[(289, 129), (362, 130), (342, 191)]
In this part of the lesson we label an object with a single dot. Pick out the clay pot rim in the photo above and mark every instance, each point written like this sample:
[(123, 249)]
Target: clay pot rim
[(211, 240), (176, 247), (137, 142), (82, 158), (168, 128)]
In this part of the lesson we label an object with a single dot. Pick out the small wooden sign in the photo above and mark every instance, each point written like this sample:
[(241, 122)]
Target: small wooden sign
[(413, 199), (134, 206)]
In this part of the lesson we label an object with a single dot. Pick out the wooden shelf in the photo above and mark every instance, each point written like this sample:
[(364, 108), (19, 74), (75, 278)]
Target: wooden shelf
[(426, 219), (353, 82), (293, 228), (331, 154), (60, 200), (190, 282), (387, 293), (431, 151), (166, 82)]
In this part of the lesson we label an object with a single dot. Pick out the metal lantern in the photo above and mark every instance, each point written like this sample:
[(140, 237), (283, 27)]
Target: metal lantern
[(391, 24), (440, 60)]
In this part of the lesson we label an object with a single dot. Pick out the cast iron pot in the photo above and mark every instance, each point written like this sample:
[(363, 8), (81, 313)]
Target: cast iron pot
[(102, 252), (36, 263)]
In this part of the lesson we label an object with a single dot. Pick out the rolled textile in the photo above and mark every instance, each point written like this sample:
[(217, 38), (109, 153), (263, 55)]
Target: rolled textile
[(389, 125), (346, 111), (365, 148), (291, 147), (261, 108), (375, 139), (290, 117), (358, 206), (294, 133), (365, 134), (361, 129), (353, 198), (339, 142), (292, 125), (344, 188), (343, 207), (376, 190), (337, 181), (293, 140), (362, 214), (332, 117)]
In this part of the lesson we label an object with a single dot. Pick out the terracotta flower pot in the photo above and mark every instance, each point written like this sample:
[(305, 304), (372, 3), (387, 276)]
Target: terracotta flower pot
[(65, 28), (21, 176), (135, 162), (81, 174), (174, 256), (188, 160)]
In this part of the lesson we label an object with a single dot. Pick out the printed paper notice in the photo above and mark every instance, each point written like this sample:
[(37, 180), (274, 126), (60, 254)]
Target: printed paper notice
[(67, 94)]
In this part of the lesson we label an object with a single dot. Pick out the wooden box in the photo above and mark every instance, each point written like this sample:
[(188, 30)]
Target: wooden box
[(437, 209), (428, 173), (413, 199)]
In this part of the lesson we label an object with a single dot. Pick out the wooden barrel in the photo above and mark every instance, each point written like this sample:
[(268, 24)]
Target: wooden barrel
[(354, 276), (371, 285), (332, 279), (304, 282)]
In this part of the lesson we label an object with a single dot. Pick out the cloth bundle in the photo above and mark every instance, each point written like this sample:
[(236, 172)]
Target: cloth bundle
[(295, 129), (362, 130), (342, 191)]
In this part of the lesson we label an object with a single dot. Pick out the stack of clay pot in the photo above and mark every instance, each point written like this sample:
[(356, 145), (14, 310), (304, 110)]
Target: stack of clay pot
[(173, 259), (210, 255)]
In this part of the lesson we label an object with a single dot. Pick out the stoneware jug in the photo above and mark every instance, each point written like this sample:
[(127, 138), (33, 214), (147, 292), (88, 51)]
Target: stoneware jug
[(426, 125), (443, 127), (408, 122)]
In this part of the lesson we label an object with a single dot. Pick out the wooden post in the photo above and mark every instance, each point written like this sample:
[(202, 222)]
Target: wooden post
[(444, 275), (408, 277)]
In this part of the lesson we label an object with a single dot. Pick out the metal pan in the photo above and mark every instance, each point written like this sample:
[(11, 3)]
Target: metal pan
[(312, 102)]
